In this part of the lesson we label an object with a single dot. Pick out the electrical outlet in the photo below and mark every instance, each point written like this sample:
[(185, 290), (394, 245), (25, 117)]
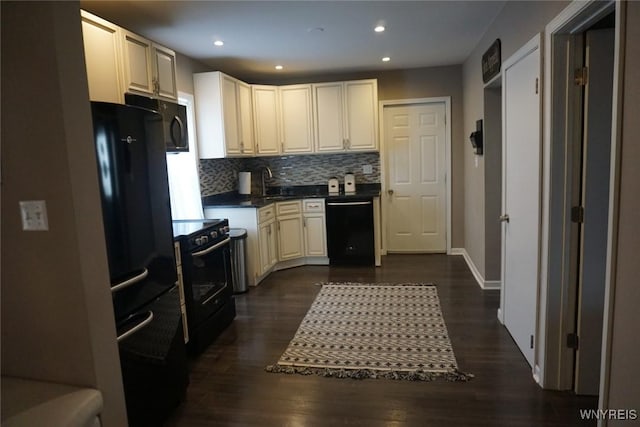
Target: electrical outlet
[(34, 215), (367, 169)]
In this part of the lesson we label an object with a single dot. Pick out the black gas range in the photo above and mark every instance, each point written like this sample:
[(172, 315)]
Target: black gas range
[(205, 263)]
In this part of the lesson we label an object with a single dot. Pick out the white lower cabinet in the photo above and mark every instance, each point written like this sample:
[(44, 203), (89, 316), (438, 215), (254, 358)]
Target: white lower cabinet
[(290, 238), (315, 230), (315, 235), (279, 235), (268, 253)]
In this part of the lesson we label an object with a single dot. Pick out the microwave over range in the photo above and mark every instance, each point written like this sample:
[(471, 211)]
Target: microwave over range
[(174, 118)]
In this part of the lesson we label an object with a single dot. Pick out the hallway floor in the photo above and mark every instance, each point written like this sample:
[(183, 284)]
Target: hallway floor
[(229, 386)]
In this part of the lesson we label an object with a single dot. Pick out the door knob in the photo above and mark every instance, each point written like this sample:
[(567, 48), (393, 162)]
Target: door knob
[(390, 192), (504, 218)]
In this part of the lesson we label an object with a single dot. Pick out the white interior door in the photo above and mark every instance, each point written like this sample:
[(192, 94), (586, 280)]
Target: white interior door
[(416, 154), (596, 157), (521, 195)]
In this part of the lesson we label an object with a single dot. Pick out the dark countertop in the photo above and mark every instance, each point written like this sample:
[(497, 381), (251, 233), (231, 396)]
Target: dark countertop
[(278, 194)]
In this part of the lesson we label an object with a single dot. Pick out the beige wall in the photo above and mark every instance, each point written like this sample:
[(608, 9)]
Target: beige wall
[(624, 385), (57, 318), (185, 69), (516, 24)]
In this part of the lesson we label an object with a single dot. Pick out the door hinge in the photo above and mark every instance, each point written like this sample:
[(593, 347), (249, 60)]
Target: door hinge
[(537, 85), (572, 341), (577, 214), (581, 76), (531, 341)]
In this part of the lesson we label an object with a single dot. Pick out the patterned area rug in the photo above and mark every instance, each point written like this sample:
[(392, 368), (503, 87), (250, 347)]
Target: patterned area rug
[(377, 330)]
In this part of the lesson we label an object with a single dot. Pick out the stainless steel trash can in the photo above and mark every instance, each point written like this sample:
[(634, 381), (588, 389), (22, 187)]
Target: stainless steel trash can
[(238, 259)]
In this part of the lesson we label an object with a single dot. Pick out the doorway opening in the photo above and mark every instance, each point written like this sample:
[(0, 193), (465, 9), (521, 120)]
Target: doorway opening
[(492, 182), (579, 122)]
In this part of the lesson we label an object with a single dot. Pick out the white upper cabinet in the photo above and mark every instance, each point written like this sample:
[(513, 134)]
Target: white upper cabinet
[(165, 72), (120, 61), (296, 119), (223, 116), (245, 112), (265, 119), (137, 63), (102, 58), (346, 116), (149, 68), (361, 114), (329, 116)]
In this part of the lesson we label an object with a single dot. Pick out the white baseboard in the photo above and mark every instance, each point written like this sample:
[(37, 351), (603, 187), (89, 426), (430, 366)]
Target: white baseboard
[(484, 284)]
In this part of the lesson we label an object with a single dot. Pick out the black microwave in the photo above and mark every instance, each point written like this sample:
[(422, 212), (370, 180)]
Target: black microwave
[(174, 116)]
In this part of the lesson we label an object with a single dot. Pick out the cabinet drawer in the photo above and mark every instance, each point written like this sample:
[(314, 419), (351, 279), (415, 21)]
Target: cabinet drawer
[(266, 213), (288, 208), (313, 205)]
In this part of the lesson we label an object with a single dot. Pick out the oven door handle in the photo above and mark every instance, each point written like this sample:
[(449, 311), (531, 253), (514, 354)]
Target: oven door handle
[(130, 282), (136, 328), (212, 248)]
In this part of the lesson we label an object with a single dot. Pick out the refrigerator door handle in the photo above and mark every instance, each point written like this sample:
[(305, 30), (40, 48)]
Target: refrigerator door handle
[(130, 282), (136, 328), (212, 248)]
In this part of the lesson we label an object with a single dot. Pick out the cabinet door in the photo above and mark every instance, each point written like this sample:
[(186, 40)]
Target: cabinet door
[(265, 119), (361, 115), (296, 119), (315, 235), (103, 59), (137, 63), (329, 113), (273, 245), (165, 72), (246, 118), (264, 246), (230, 113), (290, 239)]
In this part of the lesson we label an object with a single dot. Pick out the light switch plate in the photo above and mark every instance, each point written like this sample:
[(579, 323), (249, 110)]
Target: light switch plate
[(34, 215), (367, 169)]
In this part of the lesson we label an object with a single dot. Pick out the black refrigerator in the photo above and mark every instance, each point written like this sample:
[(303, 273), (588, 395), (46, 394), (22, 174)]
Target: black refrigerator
[(132, 173)]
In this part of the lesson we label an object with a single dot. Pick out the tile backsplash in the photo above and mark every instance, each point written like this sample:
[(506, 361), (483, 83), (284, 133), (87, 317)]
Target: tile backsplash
[(221, 175)]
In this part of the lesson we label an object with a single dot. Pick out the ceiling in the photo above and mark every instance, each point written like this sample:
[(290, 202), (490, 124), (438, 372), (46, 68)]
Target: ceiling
[(308, 37)]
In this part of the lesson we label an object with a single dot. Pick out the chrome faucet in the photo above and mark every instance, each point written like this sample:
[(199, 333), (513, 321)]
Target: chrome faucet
[(265, 169)]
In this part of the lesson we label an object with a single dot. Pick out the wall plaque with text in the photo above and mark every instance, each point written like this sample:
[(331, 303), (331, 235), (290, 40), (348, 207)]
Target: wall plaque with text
[(491, 62)]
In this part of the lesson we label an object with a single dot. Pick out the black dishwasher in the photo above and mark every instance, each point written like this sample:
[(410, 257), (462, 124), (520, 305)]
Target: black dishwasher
[(350, 230)]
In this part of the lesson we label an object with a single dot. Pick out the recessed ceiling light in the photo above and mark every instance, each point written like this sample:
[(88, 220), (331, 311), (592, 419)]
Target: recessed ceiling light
[(279, 67), (218, 43), (379, 28), (386, 59)]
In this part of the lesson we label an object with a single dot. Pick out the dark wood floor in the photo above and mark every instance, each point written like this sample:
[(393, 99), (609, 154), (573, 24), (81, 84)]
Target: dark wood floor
[(229, 386)]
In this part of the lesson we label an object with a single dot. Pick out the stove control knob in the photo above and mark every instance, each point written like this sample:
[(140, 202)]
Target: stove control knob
[(225, 228), (213, 234), (197, 241), (204, 239)]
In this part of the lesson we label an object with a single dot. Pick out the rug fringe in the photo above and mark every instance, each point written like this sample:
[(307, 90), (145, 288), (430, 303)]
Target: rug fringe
[(377, 283), (359, 374)]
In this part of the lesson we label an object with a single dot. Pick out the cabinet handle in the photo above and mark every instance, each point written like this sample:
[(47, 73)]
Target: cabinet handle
[(282, 147), (304, 222)]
